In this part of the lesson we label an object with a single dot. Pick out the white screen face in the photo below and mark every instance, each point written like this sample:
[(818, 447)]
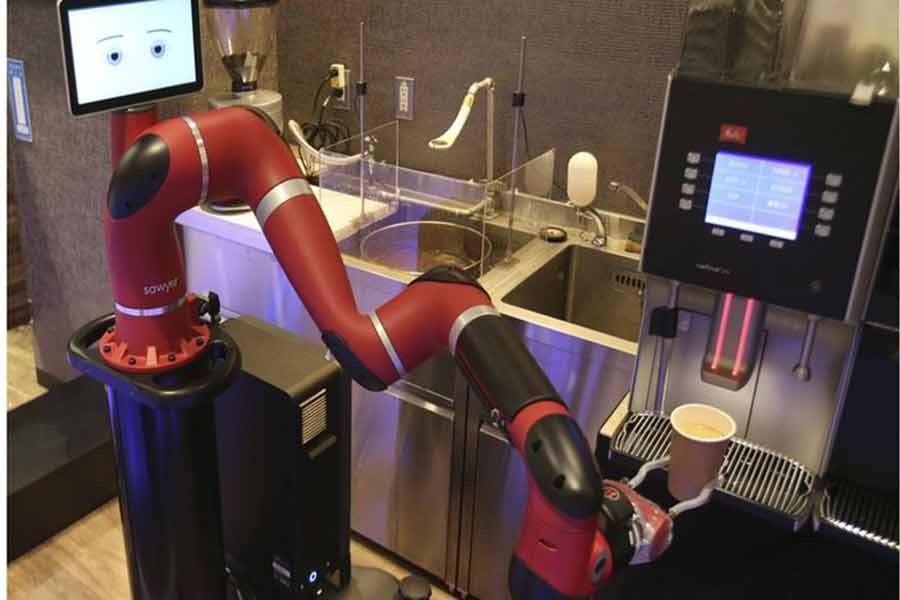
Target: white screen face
[(131, 48)]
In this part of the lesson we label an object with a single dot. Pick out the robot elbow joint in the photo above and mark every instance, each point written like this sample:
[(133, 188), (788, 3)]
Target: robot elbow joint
[(138, 177)]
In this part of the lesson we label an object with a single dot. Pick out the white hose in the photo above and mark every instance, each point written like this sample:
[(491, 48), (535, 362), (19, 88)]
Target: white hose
[(323, 158), (446, 140)]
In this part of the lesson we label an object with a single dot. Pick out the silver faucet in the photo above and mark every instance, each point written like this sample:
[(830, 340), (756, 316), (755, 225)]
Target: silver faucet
[(591, 214), (621, 188)]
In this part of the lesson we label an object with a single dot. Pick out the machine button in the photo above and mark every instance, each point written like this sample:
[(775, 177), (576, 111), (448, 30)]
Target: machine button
[(747, 237), (826, 214), (693, 158), (822, 230), (834, 179), (718, 232), (688, 189), (829, 197), (685, 204), (777, 244), (690, 173)]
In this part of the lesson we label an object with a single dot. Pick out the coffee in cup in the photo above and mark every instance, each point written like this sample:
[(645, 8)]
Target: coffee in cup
[(700, 437)]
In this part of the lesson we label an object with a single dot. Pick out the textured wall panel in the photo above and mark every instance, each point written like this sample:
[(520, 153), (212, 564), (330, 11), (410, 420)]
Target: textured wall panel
[(595, 74)]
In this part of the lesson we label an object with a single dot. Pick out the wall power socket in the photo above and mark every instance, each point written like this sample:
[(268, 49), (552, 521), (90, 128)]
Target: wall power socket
[(340, 81)]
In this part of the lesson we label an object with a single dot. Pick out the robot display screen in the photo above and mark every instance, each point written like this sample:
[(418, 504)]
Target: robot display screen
[(124, 53), (757, 194)]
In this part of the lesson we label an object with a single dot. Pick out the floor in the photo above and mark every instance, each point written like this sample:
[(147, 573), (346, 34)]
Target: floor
[(87, 560), (21, 383)]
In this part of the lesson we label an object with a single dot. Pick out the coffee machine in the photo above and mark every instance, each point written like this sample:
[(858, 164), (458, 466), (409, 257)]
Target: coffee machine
[(770, 206)]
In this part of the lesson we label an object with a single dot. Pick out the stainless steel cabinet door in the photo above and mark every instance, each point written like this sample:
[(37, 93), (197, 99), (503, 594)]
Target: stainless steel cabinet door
[(499, 507), (400, 480), (592, 380)]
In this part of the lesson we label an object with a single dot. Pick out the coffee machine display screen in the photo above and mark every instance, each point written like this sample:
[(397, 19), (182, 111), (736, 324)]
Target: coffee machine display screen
[(757, 194), (120, 54)]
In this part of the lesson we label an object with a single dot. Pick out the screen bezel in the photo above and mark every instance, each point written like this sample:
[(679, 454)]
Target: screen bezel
[(121, 102), (804, 197)]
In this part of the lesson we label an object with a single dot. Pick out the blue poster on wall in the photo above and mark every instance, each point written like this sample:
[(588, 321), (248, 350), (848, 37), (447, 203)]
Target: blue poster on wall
[(18, 99)]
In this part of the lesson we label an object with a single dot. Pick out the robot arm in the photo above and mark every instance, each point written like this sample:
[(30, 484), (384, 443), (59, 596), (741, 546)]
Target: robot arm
[(561, 552)]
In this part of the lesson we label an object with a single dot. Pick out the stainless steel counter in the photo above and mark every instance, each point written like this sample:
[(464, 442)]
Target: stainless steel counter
[(432, 481)]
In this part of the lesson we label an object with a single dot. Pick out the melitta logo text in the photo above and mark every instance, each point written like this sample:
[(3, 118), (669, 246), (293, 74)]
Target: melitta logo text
[(160, 288), (714, 269)]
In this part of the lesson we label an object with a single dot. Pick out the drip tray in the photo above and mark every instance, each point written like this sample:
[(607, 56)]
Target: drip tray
[(753, 474), (851, 510)]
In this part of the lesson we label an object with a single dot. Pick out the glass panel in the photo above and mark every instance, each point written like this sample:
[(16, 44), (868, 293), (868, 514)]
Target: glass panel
[(410, 221), (827, 45), (525, 201), (734, 39), (843, 43), (356, 192)]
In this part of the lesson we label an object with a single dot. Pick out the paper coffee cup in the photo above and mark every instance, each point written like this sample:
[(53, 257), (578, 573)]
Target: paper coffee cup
[(700, 437)]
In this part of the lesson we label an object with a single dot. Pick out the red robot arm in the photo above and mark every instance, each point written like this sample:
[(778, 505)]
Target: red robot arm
[(175, 164)]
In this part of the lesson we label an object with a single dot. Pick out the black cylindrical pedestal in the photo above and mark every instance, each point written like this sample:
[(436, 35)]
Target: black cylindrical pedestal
[(165, 442), (169, 498)]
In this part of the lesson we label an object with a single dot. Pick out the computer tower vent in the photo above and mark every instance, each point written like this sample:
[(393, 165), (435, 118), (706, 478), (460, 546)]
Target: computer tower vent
[(313, 417)]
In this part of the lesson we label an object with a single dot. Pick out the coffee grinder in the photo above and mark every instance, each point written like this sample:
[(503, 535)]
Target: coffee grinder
[(245, 36)]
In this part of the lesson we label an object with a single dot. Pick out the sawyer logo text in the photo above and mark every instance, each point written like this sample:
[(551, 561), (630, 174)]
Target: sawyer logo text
[(160, 288)]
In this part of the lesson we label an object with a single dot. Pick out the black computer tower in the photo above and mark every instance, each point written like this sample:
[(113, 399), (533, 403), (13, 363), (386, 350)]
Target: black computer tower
[(283, 433)]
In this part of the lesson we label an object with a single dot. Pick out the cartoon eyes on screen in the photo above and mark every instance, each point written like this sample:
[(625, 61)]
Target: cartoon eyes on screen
[(114, 46)]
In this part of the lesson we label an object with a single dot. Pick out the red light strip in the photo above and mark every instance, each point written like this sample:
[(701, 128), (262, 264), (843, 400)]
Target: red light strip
[(723, 325), (742, 344)]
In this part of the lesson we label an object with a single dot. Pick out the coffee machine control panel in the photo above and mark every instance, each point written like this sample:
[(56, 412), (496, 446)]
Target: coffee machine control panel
[(768, 193)]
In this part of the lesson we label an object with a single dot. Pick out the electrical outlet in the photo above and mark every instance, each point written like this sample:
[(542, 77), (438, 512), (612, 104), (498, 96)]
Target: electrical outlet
[(341, 82), (404, 97)]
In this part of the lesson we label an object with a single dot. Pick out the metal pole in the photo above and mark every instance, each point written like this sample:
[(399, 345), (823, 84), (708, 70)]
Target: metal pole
[(665, 349), (802, 370), (517, 109), (487, 208), (489, 134), (361, 100)]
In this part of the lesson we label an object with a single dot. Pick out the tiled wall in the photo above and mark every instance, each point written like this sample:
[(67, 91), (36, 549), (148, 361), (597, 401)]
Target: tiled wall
[(595, 74), (60, 182)]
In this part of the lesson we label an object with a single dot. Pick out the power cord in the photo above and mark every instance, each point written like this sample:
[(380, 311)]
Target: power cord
[(323, 132)]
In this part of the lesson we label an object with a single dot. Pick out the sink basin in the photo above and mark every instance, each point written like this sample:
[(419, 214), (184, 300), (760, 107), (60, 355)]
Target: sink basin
[(587, 287), (419, 246), (415, 239)]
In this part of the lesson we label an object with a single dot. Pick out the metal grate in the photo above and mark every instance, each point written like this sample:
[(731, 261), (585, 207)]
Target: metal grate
[(644, 436), (861, 512), (751, 472), (313, 417), (629, 281)]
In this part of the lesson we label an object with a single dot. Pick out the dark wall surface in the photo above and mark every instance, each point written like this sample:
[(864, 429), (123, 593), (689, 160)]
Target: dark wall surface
[(59, 183), (595, 74)]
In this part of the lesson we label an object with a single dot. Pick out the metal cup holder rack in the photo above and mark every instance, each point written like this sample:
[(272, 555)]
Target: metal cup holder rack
[(848, 509), (751, 473)]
